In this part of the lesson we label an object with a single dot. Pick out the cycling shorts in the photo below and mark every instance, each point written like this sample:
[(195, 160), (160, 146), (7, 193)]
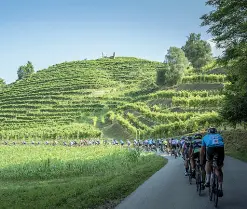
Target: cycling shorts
[(216, 152), (197, 155), (174, 146)]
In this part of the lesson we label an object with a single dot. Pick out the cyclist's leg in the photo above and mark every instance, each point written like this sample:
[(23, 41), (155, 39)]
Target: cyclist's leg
[(192, 162), (220, 162), (209, 158), (203, 171), (186, 164)]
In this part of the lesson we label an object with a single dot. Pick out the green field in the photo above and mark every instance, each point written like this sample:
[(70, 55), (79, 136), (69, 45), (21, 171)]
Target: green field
[(71, 177)]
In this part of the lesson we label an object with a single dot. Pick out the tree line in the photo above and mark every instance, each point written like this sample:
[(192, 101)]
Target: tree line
[(228, 25), (196, 53)]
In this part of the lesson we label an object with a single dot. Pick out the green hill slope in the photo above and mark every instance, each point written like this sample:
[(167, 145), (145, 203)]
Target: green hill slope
[(110, 98), (71, 93)]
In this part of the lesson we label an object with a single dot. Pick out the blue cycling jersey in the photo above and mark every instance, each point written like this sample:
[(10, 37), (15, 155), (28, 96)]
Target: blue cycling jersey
[(213, 140)]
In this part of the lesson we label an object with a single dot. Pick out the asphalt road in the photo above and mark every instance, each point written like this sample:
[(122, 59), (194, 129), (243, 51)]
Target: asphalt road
[(169, 189)]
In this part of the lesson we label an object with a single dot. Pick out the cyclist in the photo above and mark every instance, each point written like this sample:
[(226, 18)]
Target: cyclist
[(174, 147), (182, 141), (185, 153), (179, 146), (174, 144), (213, 146), (160, 145), (194, 151), (150, 143), (145, 143), (165, 142)]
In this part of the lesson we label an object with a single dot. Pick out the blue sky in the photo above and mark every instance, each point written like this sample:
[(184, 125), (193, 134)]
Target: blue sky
[(47, 32)]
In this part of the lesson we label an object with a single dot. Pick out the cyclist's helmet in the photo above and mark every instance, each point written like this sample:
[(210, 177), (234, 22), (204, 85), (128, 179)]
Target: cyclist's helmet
[(212, 130), (190, 138), (198, 136)]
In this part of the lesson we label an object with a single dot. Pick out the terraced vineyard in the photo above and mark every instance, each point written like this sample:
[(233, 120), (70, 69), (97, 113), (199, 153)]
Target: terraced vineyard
[(69, 94), (83, 98)]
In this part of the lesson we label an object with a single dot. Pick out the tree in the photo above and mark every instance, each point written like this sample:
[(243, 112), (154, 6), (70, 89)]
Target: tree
[(171, 71), (21, 72), (25, 70), (29, 68), (177, 62), (228, 26), (198, 51), (176, 56), (161, 74), (2, 84)]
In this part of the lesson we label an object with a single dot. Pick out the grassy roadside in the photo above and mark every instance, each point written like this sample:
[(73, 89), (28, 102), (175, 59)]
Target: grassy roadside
[(90, 189), (236, 144)]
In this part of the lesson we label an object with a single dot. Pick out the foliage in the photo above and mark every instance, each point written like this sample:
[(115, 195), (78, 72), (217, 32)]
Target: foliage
[(25, 70), (2, 84), (227, 23), (167, 94), (212, 78), (182, 127), (175, 56), (162, 72), (212, 101), (197, 51), (177, 62), (58, 132)]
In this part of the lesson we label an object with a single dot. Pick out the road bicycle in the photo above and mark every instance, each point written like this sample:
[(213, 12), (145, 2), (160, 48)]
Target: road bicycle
[(214, 185), (199, 177), (189, 171)]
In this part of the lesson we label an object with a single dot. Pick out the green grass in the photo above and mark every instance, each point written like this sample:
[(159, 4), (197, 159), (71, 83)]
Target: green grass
[(74, 177), (237, 154), (236, 143), (115, 130)]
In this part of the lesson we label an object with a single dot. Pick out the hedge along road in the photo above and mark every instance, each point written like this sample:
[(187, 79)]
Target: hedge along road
[(170, 189)]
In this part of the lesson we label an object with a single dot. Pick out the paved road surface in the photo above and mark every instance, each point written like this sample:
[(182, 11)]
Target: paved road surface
[(170, 189)]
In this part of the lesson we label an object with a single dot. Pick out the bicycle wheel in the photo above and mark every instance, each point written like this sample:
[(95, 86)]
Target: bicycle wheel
[(200, 183), (197, 181), (211, 189), (190, 174), (216, 193)]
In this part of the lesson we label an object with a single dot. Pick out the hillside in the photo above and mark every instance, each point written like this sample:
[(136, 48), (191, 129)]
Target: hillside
[(70, 93), (87, 98)]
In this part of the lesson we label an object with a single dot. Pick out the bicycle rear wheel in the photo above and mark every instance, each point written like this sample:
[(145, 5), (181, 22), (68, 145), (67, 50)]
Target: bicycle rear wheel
[(200, 184), (190, 174), (211, 189), (197, 182), (216, 193)]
